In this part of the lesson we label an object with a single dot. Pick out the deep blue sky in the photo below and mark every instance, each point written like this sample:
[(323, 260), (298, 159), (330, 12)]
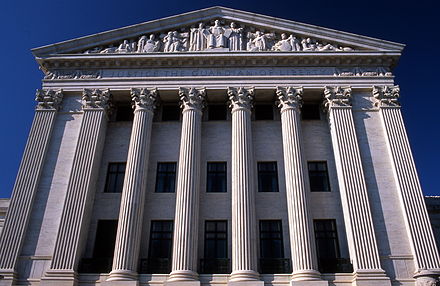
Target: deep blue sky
[(29, 24)]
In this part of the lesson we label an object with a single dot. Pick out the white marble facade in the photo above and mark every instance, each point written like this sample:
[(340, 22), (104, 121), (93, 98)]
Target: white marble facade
[(239, 60)]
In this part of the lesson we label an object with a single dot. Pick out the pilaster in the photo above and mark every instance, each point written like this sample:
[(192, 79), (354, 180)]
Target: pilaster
[(26, 184), (421, 237), (244, 252), (355, 204), (128, 237), (80, 190), (302, 241), (184, 264)]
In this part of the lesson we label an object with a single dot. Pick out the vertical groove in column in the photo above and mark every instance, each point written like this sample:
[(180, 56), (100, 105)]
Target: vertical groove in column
[(25, 187), (410, 193), (91, 134), (354, 189)]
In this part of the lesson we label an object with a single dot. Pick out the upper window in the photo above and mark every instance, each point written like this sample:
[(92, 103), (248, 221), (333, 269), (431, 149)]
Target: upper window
[(170, 112), (267, 177), (216, 177), (217, 112), (124, 113), (310, 112), (166, 177), (263, 112), (318, 176), (115, 178)]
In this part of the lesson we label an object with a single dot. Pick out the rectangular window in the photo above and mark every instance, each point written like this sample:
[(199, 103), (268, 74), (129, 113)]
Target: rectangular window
[(160, 248), (272, 249), (216, 177), (115, 178), (327, 245), (263, 112), (216, 248), (166, 177), (318, 177), (310, 112), (267, 177), (170, 112), (217, 112), (124, 112)]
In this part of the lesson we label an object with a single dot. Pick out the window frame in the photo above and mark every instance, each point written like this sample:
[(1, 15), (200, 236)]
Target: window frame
[(327, 178), (117, 173), (167, 174), (150, 242), (217, 240), (216, 174), (280, 233), (261, 173)]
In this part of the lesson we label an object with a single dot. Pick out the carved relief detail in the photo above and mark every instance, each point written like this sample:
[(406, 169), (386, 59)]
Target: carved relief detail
[(192, 98), (96, 98), (144, 98), (240, 97), (48, 99), (337, 97), (231, 37), (386, 96), (289, 97), (75, 74)]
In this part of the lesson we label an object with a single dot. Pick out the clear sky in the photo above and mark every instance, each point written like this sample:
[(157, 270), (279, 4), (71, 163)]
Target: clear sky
[(29, 24)]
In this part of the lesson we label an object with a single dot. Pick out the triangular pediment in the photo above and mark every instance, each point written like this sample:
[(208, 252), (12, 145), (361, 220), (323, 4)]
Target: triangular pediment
[(218, 29)]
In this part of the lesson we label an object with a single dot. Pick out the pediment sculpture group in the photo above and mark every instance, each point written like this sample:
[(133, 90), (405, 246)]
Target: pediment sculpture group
[(218, 38)]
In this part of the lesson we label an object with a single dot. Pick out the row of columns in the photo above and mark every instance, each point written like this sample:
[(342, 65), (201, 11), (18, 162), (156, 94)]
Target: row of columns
[(357, 212)]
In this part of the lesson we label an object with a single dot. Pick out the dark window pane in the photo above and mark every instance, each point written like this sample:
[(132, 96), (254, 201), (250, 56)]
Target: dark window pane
[(115, 178), (264, 112), (216, 242), (166, 177), (105, 239), (310, 112), (216, 177), (170, 113), (267, 177), (271, 239), (217, 112), (124, 113), (327, 245), (318, 177), (161, 239)]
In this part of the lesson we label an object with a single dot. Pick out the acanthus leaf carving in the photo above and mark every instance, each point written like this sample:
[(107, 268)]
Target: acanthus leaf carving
[(218, 37), (192, 98), (289, 97), (48, 99), (337, 97), (144, 98), (241, 98), (386, 96), (96, 98)]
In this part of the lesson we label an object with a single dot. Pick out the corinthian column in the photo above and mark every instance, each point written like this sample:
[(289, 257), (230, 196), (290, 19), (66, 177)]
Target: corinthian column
[(356, 207), (80, 190), (26, 184), (184, 265), (302, 241), (423, 246), (244, 252), (133, 195)]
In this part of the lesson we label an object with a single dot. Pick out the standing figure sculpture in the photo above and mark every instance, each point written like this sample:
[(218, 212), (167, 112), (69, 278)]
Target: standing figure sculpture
[(198, 38), (216, 39), (151, 45), (259, 41), (141, 43), (235, 37), (174, 42)]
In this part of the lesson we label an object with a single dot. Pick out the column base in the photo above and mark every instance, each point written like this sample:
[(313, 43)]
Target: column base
[(370, 277), (426, 277), (246, 283), (8, 277), (183, 283), (306, 275), (309, 283), (245, 278), (59, 278), (183, 277)]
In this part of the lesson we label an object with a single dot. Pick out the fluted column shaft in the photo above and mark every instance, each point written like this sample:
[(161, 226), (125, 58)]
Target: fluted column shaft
[(80, 189), (419, 229), (28, 177), (302, 241), (357, 212), (244, 252), (128, 236), (184, 263)]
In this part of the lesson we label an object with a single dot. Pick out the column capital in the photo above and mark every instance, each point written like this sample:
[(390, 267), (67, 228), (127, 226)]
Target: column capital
[(96, 98), (337, 96), (289, 97), (192, 98), (241, 98), (144, 98), (48, 99), (386, 96)]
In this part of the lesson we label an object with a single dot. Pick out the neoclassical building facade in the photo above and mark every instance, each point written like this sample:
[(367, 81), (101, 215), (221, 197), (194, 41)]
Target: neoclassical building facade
[(218, 147)]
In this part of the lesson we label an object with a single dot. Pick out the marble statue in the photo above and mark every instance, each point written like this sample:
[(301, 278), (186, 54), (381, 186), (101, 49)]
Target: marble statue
[(198, 38), (151, 45), (287, 44), (174, 42), (216, 38), (235, 37), (141, 44), (308, 45), (259, 41)]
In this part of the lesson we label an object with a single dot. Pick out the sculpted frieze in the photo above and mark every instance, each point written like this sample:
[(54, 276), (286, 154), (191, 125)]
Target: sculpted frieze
[(72, 74), (217, 36)]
